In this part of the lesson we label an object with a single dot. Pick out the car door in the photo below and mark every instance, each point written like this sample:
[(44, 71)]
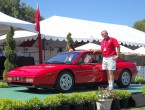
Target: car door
[(85, 71), (100, 75)]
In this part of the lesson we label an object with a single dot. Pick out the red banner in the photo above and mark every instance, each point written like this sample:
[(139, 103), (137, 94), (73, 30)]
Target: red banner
[(37, 17), (37, 27)]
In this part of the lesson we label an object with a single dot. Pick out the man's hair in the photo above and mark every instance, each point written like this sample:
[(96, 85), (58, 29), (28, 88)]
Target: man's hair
[(104, 31)]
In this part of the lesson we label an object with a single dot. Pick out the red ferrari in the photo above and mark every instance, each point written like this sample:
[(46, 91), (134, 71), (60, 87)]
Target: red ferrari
[(69, 69)]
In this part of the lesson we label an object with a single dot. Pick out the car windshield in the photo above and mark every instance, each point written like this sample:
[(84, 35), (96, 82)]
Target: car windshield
[(64, 58)]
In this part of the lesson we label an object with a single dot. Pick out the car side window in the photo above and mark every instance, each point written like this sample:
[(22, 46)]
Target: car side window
[(93, 58), (80, 61), (84, 59), (88, 59)]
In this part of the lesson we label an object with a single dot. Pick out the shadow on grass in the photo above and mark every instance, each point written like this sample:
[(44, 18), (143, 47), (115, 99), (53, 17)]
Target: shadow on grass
[(131, 88), (53, 91)]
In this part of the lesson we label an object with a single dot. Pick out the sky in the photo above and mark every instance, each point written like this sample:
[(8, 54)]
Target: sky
[(122, 12)]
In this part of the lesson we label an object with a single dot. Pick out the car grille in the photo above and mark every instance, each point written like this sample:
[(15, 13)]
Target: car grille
[(20, 84), (19, 79)]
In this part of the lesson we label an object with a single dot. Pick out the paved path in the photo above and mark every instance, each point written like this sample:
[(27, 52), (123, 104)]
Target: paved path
[(22, 93)]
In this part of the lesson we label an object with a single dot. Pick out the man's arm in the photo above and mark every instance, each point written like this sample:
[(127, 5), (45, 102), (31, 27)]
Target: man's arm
[(97, 50), (118, 51)]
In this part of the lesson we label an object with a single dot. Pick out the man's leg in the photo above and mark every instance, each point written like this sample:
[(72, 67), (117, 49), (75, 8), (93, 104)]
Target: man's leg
[(110, 79)]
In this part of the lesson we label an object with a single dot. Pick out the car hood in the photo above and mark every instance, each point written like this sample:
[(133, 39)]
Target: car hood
[(37, 69)]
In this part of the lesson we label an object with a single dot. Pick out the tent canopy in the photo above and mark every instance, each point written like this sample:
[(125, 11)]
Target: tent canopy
[(140, 50), (7, 21), (92, 46), (88, 46), (57, 27), (125, 50), (21, 36)]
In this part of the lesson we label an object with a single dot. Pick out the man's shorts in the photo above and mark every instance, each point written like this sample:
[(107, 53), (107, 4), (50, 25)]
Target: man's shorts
[(109, 63)]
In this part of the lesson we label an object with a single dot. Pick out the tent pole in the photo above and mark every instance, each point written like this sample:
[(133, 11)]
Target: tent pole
[(40, 48)]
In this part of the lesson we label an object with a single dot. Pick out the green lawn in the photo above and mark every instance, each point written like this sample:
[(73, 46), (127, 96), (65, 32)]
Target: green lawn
[(24, 94), (140, 108)]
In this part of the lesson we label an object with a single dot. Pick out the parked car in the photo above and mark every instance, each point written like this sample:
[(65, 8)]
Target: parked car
[(69, 69)]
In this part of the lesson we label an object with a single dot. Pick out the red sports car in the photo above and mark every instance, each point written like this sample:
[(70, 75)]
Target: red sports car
[(69, 69)]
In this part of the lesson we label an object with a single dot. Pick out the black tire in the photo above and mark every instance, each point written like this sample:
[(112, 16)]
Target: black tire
[(124, 79), (64, 82), (32, 89)]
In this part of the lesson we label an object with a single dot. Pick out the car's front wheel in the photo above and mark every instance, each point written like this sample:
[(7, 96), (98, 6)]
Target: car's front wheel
[(32, 89), (65, 81), (124, 79)]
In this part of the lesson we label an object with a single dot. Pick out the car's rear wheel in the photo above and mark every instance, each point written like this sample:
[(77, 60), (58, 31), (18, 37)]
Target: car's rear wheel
[(124, 79), (65, 82)]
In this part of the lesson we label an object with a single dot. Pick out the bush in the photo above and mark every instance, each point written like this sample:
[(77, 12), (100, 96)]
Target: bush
[(3, 84), (139, 79), (90, 97), (123, 94), (117, 94), (51, 101), (77, 98), (143, 90), (11, 57), (18, 105), (33, 103), (6, 104), (64, 99)]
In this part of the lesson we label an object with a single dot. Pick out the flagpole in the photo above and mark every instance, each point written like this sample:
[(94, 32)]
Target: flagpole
[(37, 27), (40, 48)]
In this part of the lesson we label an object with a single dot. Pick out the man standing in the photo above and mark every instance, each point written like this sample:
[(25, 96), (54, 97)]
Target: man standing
[(108, 49)]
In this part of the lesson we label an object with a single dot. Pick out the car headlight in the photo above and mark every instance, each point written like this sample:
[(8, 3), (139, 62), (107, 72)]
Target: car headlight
[(29, 79), (9, 78)]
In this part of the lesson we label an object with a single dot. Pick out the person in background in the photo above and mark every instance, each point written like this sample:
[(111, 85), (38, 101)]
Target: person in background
[(108, 49), (18, 53), (2, 52), (71, 47)]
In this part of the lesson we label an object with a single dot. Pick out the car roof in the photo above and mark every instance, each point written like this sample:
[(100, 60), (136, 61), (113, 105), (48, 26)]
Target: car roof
[(83, 51)]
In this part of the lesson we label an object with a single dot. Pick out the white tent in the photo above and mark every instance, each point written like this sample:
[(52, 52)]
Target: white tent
[(7, 21), (57, 27), (20, 36), (140, 50), (92, 46), (88, 46), (125, 50)]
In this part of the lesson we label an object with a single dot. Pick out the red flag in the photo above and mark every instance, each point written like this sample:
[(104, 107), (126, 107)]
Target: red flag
[(37, 27), (37, 17)]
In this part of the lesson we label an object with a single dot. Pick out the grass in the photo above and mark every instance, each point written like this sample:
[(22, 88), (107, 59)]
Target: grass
[(3, 84), (140, 108)]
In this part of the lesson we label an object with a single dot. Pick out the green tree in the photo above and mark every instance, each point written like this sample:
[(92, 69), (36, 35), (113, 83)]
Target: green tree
[(18, 10), (140, 25), (11, 57), (69, 40)]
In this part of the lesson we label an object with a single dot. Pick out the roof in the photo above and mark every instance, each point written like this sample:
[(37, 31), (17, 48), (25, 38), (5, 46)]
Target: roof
[(20, 36), (7, 21), (57, 27)]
